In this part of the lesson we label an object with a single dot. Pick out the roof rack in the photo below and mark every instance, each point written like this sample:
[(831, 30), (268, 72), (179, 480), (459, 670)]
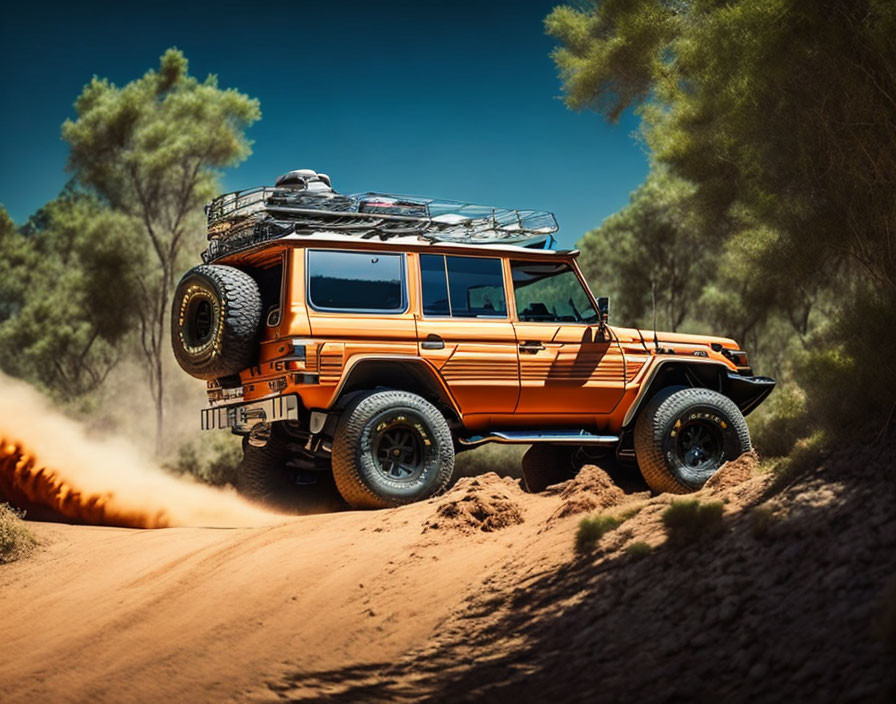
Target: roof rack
[(305, 206)]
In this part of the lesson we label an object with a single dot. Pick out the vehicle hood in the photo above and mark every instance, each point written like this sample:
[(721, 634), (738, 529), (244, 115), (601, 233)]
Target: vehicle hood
[(629, 336)]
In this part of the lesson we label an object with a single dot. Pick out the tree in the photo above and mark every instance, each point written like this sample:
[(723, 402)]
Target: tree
[(151, 150), (783, 116), (64, 277), (652, 247)]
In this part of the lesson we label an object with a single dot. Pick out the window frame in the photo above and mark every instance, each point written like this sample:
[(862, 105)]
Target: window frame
[(405, 302), (451, 316), (578, 274)]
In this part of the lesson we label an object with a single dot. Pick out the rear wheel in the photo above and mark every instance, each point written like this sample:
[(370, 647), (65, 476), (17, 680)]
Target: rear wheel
[(266, 477), (683, 436), (392, 448)]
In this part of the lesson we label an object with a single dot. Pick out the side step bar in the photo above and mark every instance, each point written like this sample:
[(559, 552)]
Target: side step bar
[(528, 437)]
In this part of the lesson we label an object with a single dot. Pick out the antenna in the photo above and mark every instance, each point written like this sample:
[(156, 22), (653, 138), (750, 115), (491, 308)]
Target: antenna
[(656, 342)]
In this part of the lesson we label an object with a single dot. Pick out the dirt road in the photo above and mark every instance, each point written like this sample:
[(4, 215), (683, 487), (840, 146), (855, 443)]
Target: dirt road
[(198, 614), (475, 596)]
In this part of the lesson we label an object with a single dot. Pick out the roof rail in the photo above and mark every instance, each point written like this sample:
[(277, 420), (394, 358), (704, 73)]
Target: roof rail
[(244, 219)]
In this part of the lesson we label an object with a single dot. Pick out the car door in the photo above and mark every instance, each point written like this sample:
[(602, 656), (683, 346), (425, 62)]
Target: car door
[(566, 365), (464, 330), (358, 304)]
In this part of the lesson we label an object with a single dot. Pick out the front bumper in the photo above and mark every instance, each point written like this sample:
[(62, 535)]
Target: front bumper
[(244, 416), (748, 391)]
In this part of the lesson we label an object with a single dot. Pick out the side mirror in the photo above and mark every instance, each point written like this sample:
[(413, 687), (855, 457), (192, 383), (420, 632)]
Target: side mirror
[(603, 308)]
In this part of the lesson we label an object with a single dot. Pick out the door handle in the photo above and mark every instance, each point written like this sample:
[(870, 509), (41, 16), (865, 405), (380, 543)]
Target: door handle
[(532, 346), (432, 342)]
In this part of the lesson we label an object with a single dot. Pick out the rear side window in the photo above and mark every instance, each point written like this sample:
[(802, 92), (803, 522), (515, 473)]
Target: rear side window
[(462, 287), (370, 282)]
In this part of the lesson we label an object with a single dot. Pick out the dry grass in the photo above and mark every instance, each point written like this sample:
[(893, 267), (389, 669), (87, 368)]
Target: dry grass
[(16, 540), (638, 549), (592, 529), (687, 522)]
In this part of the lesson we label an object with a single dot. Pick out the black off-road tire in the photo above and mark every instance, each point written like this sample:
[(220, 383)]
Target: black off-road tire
[(684, 435), (265, 478), (215, 321), (369, 466), (544, 465)]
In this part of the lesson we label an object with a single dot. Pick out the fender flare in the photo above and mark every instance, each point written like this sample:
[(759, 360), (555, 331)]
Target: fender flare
[(404, 372), (746, 391)]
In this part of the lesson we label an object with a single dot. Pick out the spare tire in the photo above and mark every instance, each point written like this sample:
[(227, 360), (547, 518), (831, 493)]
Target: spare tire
[(215, 320)]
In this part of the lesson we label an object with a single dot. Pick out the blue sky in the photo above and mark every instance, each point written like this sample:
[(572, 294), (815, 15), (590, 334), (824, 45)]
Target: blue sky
[(454, 100)]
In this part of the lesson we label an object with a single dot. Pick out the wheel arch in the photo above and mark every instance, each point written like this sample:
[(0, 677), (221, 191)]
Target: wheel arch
[(673, 372), (411, 374)]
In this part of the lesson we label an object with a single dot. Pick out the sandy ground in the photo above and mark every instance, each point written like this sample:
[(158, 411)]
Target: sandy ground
[(475, 596), (198, 614)]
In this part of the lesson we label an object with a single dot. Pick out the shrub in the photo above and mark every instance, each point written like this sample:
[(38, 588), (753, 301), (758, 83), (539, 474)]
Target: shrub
[(212, 462), (689, 521), (638, 549), (505, 460), (780, 421), (16, 540), (593, 528), (806, 455)]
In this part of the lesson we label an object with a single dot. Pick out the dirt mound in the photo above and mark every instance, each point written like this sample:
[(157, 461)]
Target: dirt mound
[(478, 504), (591, 489), (733, 473)]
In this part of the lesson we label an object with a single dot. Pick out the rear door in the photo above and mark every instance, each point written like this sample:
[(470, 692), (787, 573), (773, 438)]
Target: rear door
[(358, 304), (465, 331), (566, 367)]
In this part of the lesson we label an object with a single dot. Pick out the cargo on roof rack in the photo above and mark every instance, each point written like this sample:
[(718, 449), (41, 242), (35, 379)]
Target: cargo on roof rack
[(303, 202)]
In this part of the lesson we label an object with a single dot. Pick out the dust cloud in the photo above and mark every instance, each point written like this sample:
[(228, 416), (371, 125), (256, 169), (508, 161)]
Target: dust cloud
[(49, 466)]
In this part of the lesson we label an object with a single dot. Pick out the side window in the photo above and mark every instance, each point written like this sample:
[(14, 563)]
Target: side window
[(356, 281), (434, 279), (462, 287), (550, 292)]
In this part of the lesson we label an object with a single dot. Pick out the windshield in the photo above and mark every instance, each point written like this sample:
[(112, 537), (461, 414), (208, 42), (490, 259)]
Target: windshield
[(550, 292)]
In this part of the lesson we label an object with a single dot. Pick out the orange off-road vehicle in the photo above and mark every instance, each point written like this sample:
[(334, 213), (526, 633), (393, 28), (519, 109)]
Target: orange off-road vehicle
[(364, 340)]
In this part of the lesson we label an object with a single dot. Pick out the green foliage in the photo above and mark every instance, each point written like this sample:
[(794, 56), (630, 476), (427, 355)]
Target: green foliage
[(654, 246), (778, 422), (16, 541), (69, 282), (592, 529), (213, 462), (152, 150), (638, 549), (689, 521), (506, 460), (781, 117), (807, 453)]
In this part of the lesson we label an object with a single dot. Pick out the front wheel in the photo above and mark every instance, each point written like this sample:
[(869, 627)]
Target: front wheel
[(392, 448), (683, 437)]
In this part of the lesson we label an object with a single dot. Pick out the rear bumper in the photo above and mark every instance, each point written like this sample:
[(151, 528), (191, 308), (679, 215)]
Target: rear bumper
[(244, 416), (748, 391)]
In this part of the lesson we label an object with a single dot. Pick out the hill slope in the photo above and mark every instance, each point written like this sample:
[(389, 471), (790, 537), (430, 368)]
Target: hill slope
[(477, 595)]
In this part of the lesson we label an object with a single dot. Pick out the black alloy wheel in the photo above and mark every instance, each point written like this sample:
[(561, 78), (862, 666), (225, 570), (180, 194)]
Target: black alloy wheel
[(700, 445), (400, 450)]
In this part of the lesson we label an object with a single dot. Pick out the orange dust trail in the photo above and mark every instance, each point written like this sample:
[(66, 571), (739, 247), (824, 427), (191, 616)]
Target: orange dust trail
[(49, 466)]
